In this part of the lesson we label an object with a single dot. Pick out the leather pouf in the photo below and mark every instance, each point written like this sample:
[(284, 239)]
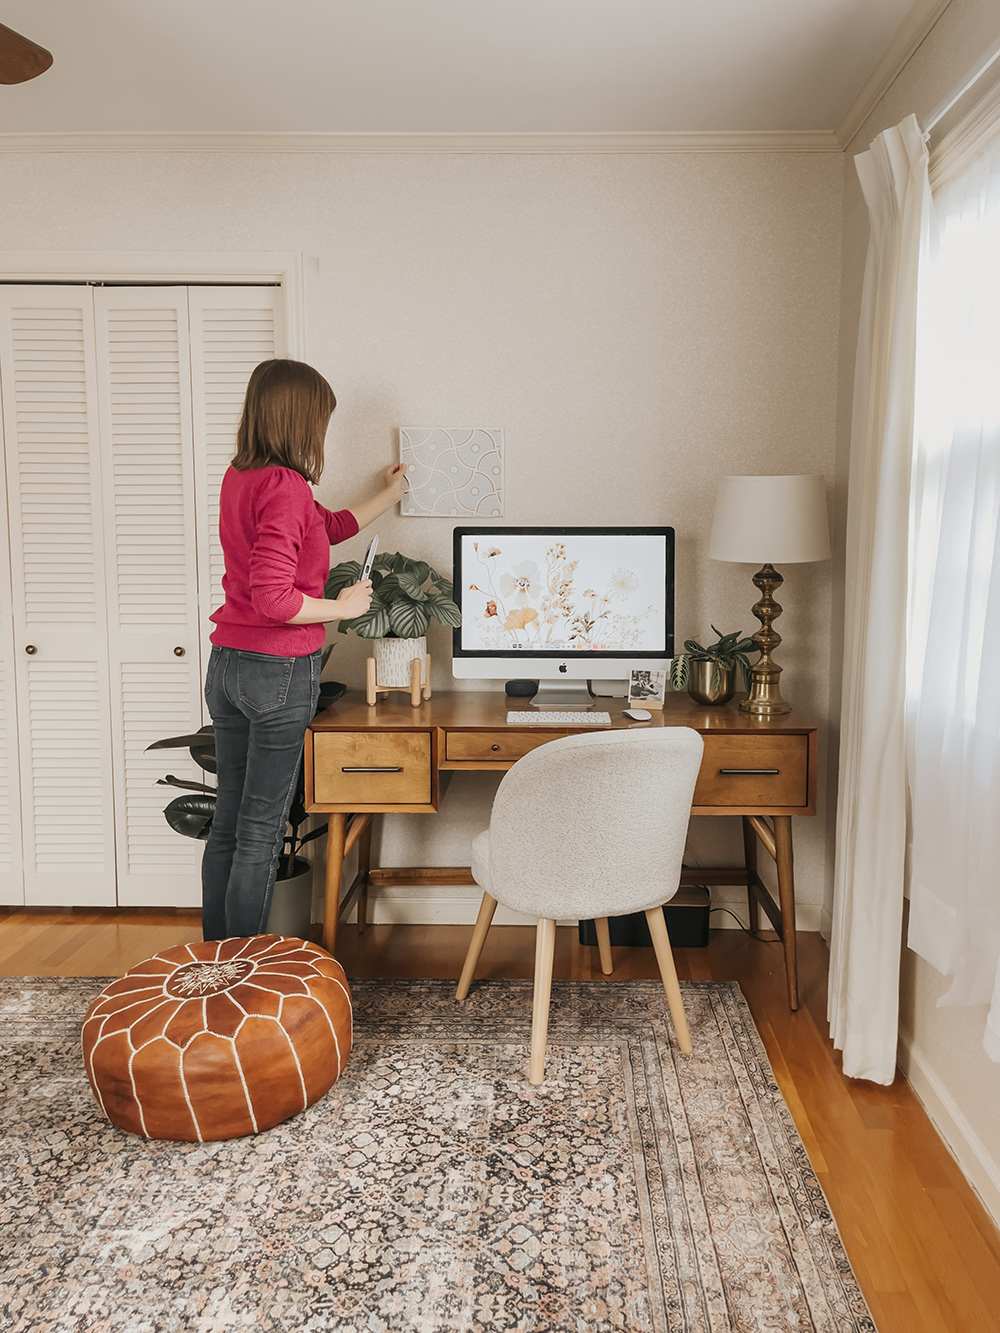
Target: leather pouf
[(218, 1039)]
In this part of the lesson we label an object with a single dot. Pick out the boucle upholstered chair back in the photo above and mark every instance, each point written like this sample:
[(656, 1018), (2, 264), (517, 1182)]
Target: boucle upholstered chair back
[(594, 825)]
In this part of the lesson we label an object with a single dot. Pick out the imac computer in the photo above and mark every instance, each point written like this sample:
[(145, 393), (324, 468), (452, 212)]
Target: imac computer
[(563, 606)]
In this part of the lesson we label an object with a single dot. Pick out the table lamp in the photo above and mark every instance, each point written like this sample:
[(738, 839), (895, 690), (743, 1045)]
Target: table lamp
[(763, 521)]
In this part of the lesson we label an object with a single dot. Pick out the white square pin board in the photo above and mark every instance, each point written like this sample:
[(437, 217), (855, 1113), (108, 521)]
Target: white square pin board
[(452, 472)]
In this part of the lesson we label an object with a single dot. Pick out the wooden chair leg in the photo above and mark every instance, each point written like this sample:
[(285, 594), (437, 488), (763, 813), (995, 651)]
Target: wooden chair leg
[(545, 947), (486, 909), (665, 961), (604, 945)]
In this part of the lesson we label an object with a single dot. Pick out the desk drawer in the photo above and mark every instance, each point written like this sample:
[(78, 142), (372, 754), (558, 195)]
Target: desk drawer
[(372, 768), (754, 770), (495, 746)]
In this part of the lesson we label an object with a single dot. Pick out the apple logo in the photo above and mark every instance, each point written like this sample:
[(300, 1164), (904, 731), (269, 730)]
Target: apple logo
[(563, 668)]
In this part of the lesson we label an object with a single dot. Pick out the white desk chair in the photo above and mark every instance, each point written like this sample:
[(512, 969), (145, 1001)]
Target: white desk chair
[(588, 826)]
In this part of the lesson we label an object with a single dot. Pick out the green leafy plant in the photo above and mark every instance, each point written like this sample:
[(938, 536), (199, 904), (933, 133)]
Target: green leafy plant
[(406, 596), (729, 650)]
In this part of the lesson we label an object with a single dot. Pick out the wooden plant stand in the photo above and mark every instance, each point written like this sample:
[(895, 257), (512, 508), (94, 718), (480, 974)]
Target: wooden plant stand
[(374, 689)]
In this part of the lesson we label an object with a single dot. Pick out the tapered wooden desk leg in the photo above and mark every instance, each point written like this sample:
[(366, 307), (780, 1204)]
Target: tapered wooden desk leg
[(364, 868), (604, 945), (668, 974), (334, 870), (486, 909), (750, 858), (545, 947), (786, 895)]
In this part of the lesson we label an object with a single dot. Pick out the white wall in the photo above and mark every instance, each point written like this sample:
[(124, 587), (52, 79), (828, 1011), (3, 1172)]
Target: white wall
[(941, 1049), (638, 324)]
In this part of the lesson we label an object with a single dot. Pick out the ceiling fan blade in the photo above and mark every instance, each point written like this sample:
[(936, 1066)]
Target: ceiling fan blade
[(21, 60)]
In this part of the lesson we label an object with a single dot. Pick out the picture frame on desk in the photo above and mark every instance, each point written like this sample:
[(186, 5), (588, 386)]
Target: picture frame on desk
[(647, 688)]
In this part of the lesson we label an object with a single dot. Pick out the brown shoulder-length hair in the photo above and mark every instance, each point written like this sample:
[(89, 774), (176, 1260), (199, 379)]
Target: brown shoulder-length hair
[(285, 415)]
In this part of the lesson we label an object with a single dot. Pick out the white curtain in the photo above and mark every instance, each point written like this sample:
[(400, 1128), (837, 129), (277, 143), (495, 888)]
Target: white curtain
[(871, 824), (954, 659)]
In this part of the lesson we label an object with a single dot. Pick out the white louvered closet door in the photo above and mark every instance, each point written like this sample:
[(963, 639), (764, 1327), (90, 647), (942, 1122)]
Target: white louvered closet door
[(120, 408), (58, 615), (144, 383), (11, 871), (233, 329)]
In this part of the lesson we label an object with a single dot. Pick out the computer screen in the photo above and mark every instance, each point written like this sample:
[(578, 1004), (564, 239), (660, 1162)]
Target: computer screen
[(576, 603)]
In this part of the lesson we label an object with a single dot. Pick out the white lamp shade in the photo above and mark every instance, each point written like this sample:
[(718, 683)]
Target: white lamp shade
[(770, 520)]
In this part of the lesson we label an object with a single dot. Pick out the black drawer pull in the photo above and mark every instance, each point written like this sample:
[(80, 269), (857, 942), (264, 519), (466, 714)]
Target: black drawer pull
[(770, 772), (371, 768)]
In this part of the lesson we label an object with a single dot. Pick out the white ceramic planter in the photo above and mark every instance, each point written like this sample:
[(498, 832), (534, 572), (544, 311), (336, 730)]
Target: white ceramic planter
[(393, 658)]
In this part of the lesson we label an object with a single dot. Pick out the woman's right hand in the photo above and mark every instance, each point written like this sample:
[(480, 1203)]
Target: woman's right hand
[(355, 600), (348, 605)]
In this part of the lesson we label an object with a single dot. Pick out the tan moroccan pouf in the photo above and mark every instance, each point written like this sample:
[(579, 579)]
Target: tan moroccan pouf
[(215, 1040)]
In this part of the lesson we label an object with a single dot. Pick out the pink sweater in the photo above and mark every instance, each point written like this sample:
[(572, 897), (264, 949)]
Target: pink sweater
[(276, 541)]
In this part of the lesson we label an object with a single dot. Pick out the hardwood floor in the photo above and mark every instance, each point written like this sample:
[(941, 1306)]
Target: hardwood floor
[(925, 1251)]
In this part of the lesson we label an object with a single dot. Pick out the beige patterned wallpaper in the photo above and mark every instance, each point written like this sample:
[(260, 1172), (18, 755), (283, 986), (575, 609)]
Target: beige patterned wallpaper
[(638, 324)]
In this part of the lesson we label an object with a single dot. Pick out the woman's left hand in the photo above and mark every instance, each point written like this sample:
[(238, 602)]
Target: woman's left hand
[(394, 479), (393, 490)]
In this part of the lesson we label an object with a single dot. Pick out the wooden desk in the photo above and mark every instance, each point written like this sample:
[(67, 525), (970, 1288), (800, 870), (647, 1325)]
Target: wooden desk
[(361, 762)]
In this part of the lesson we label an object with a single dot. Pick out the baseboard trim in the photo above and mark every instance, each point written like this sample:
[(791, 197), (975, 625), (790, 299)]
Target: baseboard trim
[(393, 908), (826, 923), (413, 905), (969, 1151), (807, 915)]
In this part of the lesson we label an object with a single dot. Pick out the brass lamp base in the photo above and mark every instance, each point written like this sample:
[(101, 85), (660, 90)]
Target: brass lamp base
[(764, 699)]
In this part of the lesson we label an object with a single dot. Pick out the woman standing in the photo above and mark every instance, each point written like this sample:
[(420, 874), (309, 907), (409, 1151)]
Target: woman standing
[(262, 683)]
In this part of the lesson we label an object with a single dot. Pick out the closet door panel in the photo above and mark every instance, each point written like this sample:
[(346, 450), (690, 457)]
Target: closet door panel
[(59, 610), (120, 408), (11, 872), (153, 614), (233, 329)]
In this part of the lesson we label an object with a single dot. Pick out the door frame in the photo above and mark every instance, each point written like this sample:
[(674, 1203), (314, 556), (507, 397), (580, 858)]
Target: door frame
[(284, 268)]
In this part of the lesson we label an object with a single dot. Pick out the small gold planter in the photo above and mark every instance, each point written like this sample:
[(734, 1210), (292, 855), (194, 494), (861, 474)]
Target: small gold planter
[(700, 682)]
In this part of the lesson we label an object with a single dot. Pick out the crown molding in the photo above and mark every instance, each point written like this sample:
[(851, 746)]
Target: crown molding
[(900, 51), (967, 139), (168, 141)]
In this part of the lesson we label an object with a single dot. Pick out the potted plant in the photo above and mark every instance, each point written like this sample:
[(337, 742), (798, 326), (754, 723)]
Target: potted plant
[(406, 596), (710, 672), (191, 815)]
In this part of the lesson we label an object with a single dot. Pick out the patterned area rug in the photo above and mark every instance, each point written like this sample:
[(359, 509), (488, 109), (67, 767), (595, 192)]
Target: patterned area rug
[(432, 1190)]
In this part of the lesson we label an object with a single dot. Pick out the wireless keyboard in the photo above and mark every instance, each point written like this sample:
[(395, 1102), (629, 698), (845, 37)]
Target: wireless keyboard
[(550, 718)]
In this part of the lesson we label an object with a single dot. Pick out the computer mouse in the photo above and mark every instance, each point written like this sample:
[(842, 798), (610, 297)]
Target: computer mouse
[(636, 714)]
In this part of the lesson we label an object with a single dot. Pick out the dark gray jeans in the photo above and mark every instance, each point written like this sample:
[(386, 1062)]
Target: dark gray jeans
[(261, 706)]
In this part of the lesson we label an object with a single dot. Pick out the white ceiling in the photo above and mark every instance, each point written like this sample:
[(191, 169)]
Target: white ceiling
[(446, 66)]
